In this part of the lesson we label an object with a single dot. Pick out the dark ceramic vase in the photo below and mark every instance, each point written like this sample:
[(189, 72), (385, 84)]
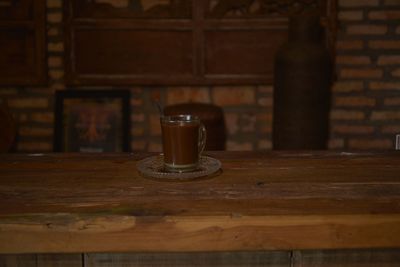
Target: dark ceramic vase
[(303, 77)]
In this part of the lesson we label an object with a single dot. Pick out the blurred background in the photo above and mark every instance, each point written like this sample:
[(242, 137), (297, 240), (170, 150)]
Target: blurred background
[(215, 52)]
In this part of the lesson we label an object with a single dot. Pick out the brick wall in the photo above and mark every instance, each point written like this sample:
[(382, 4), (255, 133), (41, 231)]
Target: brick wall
[(366, 99), (366, 102)]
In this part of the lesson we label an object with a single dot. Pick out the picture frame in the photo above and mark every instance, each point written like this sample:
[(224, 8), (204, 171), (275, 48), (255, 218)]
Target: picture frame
[(92, 121)]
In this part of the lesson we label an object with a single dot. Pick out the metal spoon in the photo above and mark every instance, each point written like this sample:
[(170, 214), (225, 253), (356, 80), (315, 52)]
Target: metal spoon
[(160, 109)]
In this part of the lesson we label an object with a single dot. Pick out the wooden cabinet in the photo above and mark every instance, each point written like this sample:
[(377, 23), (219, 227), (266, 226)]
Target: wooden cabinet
[(22, 42), (197, 42)]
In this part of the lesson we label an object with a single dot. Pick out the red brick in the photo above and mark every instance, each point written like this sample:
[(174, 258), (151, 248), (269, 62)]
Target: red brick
[(264, 122), (385, 115), (248, 123), (361, 73), (136, 102), (355, 101), (231, 96), (384, 44), (55, 47), (54, 62), (155, 95), (138, 117), (336, 143), (353, 129), (264, 117), (392, 101), (136, 90), (349, 44), (39, 91), (389, 60), (232, 123), (265, 101), (349, 86), (34, 146), (53, 31), (351, 15), (54, 3), (347, 115), (56, 74), (353, 60), (8, 91), (155, 147), (396, 73), (366, 29), (358, 3), (42, 117), (391, 129), (384, 15), (28, 103), (391, 2), (155, 127), (187, 94), (264, 145), (36, 132), (384, 85), (137, 131), (21, 117), (370, 143), (138, 145), (57, 86), (266, 89), (239, 146), (266, 128), (54, 17)]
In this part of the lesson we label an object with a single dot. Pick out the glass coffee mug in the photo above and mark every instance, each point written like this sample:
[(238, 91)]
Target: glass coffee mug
[(183, 139)]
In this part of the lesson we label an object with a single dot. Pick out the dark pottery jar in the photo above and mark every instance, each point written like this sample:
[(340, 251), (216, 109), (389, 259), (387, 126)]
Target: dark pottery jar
[(303, 77)]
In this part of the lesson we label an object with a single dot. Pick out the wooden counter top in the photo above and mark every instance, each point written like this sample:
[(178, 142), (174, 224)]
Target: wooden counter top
[(261, 201)]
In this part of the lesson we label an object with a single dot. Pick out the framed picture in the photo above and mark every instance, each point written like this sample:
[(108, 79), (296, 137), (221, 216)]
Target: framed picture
[(92, 121)]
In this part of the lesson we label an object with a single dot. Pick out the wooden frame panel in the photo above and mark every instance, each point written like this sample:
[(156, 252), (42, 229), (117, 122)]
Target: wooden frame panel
[(23, 43), (200, 22)]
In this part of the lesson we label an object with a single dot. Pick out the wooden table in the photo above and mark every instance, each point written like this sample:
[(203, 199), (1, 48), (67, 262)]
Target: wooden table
[(74, 203)]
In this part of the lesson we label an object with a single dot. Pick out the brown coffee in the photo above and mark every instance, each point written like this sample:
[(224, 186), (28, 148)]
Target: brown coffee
[(183, 138), (180, 143)]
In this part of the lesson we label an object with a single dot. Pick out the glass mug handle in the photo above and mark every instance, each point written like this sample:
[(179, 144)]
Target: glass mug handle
[(202, 138)]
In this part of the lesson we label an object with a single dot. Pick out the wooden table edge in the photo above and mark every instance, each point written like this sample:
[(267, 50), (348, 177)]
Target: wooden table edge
[(72, 233)]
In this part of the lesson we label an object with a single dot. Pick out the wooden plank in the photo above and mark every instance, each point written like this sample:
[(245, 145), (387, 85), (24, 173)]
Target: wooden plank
[(261, 201), (28, 260), (70, 234), (227, 51), (278, 185), (347, 258), (210, 259), (41, 260), (122, 52), (60, 260)]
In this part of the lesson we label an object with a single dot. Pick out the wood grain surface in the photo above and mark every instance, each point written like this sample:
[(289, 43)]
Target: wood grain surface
[(261, 201)]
